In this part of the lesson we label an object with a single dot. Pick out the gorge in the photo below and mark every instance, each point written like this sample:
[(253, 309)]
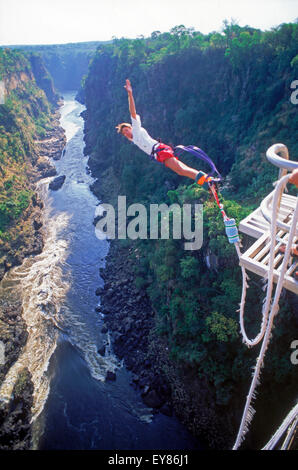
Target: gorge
[(157, 317)]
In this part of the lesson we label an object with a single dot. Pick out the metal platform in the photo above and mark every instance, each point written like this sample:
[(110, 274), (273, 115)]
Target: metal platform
[(279, 215), (255, 223), (256, 258)]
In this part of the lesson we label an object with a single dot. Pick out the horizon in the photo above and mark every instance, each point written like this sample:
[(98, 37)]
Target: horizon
[(61, 22), (129, 38)]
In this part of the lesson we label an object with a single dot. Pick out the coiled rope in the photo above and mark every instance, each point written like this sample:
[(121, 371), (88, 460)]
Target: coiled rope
[(268, 306), (267, 322)]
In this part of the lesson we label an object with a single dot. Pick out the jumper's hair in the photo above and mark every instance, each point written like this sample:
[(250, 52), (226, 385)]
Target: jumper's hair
[(121, 126)]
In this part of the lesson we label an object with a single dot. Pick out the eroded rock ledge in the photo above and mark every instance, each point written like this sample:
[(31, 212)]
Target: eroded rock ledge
[(164, 385), (26, 239), (130, 318)]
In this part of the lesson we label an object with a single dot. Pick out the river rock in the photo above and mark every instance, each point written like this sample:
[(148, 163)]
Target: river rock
[(102, 350), (53, 144), (129, 321), (37, 223), (57, 183), (99, 291), (166, 409), (105, 310), (110, 376), (152, 399), (45, 168), (36, 201)]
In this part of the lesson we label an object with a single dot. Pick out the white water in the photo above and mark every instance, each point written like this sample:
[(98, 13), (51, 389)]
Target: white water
[(43, 281), (39, 283)]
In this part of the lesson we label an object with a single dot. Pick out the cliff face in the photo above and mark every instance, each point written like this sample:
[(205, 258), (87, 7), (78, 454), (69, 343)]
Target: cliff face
[(26, 120), (66, 63), (229, 94), (43, 78), (231, 99)]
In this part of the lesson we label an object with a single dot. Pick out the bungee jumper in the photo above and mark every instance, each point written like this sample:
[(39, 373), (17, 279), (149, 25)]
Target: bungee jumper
[(161, 152), (168, 156)]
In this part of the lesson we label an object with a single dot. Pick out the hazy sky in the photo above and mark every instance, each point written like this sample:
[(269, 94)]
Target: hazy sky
[(61, 21)]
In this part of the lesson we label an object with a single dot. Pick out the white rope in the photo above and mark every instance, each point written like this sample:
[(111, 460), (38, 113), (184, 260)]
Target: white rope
[(248, 410), (267, 303), (290, 435), (265, 311), (290, 419)]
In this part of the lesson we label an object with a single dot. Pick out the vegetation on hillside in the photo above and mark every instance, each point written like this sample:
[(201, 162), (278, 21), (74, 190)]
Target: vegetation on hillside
[(66, 63), (24, 116), (228, 93)]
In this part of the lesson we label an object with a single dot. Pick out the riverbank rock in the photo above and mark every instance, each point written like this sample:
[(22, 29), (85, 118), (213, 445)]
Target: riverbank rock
[(102, 350), (163, 384), (25, 237), (53, 144), (110, 376), (57, 183), (15, 426), (99, 291), (37, 222), (15, 416), (45, 168), (152, 399), (130, 319)]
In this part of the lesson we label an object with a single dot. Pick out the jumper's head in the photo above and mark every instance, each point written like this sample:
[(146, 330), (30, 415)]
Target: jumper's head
[(125, 129)]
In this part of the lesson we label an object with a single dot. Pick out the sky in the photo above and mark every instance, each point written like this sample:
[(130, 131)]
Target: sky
[(64, 21)]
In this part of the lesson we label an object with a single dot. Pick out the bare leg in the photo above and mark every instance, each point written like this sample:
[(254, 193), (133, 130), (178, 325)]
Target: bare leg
[(180, 168)]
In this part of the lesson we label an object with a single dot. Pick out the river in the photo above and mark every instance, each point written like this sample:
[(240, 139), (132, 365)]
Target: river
[(74, 407)]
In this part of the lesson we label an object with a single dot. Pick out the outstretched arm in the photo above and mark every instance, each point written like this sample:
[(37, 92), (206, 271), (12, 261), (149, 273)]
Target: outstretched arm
[(131, 102)]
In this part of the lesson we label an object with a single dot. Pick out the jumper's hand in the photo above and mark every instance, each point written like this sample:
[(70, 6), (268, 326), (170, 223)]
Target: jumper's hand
[(128, 86)]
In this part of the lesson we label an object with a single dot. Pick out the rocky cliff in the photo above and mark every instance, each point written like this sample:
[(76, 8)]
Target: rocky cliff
[(228, 93), (29, 135), (43, 78)]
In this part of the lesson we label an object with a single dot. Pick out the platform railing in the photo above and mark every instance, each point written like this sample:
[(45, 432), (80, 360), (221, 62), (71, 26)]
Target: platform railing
[(281, 161), (284, 164)]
